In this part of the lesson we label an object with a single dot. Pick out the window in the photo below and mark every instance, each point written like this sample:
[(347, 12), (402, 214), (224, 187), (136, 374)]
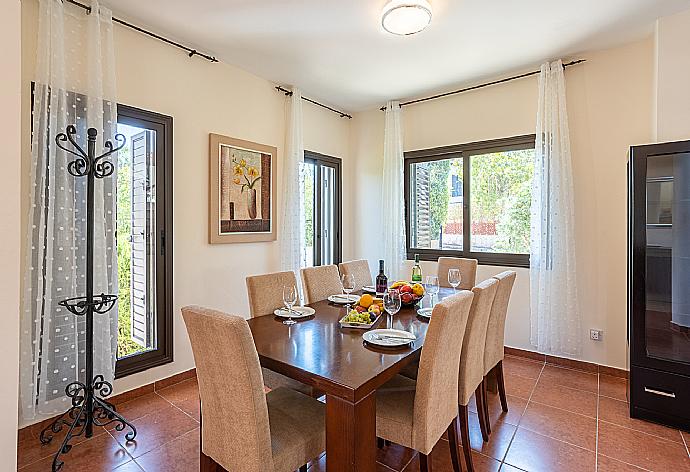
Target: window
[(322, 208), (144, 219), (471, 200)]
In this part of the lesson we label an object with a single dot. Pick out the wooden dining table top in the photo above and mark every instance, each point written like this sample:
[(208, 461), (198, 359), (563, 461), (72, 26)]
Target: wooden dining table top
[(319, 352)]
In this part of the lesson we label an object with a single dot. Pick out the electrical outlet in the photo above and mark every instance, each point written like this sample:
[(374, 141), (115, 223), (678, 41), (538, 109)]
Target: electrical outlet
[(596, 334)]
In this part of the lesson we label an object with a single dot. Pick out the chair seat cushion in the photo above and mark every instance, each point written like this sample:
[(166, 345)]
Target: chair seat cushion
[(298, 428), (395, 410), (275, 380)]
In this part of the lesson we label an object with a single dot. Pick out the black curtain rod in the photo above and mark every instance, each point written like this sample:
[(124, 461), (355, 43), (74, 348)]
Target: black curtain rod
[(191, 52), (475, 87), (289, 93)]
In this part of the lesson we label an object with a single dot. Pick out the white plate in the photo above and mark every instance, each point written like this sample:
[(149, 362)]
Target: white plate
[(425, 312), (398, 337), (298, 312), (369, 289), (343, 299)]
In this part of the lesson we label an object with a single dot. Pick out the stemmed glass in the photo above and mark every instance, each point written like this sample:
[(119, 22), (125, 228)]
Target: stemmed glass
[(289, 299), (431, 287), (348, 281), (391, 303), (454, 278)]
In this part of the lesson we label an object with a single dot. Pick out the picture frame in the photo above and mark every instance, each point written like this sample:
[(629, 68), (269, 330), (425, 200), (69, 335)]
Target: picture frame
[(242, 191)]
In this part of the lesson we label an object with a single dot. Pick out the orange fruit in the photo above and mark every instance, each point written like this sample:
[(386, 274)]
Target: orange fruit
[(366, 300)]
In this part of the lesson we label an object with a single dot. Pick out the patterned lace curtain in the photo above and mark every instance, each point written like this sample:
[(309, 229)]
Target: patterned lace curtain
[(555, 317), (393, 193), (291, 236), (74, 85)]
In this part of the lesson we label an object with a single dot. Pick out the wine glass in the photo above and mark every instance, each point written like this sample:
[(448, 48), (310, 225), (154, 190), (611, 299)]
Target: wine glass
[(431, 287), (348, 282), (454, 278), (289, 299), (391, 303)]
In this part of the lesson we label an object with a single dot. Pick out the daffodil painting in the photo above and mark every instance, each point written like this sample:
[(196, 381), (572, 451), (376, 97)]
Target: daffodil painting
[(244, 188)]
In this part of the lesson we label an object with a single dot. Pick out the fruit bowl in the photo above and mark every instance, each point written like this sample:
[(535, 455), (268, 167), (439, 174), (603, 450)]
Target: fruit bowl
[(410, 293)]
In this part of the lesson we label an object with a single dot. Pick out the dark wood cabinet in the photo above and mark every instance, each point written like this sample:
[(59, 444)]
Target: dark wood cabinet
[(659, 283)]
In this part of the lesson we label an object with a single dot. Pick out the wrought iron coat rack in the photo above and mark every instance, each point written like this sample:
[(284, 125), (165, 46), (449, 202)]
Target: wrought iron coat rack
[(89, 408)]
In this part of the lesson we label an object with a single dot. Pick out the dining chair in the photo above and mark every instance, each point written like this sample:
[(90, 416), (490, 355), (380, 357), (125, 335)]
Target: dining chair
[(495, 337), (243, 428), (467, 267), (416, 414), (471, 373), (265, 293), (320, 282), (360, 270)]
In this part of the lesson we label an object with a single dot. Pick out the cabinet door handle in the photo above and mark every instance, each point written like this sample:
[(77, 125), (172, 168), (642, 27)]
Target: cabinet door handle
[(659, 392)]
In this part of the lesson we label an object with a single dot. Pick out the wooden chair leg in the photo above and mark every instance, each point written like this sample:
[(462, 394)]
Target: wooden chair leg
[(206, 464), (453, 442), (303, 468), (465, 436), (487, 417), (481, 412), (501, 385), (424, 463), (380, 443)]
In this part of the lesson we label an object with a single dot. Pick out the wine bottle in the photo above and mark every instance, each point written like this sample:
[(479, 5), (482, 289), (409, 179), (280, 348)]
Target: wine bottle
[(416, 270), (381, 280)]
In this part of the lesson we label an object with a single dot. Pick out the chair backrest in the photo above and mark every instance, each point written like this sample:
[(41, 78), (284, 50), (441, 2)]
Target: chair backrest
[(265, 292), (360, 270), (436, 399), (468, 271), (495, 332), (320, 282), (471, 371), (235, 430)]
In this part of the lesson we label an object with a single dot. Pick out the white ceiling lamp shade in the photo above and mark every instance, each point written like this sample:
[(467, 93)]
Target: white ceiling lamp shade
[(405, 17)]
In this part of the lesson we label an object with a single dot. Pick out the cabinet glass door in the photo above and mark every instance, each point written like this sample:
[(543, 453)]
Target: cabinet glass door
[(667, 280)]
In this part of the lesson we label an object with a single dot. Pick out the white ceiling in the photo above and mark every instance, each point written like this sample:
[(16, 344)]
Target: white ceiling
[(337, 52)]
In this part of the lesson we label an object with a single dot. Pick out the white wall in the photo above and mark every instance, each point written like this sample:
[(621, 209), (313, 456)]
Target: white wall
[(10, 86), (202, 98), (673, 77), (610, 108)]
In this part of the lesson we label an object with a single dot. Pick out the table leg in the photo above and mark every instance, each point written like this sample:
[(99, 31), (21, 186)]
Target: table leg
[(351, 434)]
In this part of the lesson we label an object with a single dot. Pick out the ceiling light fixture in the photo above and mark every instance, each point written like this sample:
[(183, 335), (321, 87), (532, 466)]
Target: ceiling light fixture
[(404, 17)]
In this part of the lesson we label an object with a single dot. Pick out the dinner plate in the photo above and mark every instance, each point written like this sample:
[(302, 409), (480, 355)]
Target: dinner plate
[(389, 337), (369, 289), (297, 312), (343, 299), (425, 312)]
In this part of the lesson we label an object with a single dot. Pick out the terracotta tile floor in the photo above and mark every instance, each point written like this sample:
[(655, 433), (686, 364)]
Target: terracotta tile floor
[(559, 420)]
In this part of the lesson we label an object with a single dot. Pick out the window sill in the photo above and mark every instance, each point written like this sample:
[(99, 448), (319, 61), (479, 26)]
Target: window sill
[(484, 258)]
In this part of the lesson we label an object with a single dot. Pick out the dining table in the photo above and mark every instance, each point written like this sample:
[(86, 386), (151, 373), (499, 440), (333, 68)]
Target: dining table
[(336, 361)]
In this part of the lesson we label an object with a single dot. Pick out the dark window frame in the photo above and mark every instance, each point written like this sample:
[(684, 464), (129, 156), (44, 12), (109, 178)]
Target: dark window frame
[(336, 163), (163, 354), (466, 152)]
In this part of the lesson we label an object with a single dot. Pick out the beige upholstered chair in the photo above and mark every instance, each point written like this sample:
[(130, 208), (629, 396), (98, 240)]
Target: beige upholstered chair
[(265, 293), (320, 282), (242, 428), (359, 269), (495, 336), (468, 271), (471, 378), (415, 415)]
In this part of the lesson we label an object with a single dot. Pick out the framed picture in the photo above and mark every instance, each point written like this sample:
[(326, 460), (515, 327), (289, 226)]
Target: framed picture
[(242, 191)]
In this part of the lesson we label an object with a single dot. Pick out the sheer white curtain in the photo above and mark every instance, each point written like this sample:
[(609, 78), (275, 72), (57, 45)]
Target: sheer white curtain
[(555, 320), (393, 193), (74, 85), (292, 243)]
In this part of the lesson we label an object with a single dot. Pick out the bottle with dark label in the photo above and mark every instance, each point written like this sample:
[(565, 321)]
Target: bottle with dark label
[(381, 280), (416, 270)]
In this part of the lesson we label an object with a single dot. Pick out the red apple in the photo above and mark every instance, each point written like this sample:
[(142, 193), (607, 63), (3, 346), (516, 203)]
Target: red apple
[(405, 289), (407, 298), (360, 309)]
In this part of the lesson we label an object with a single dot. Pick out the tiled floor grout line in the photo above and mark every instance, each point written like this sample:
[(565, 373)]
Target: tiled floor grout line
[(596, 441), (510, 443), (627, 463), (648, 434), (160, 446), (197, 421), (687, 449)]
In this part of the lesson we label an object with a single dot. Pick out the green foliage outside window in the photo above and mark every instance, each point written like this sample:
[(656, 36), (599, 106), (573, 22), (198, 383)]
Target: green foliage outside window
[(439, 196)]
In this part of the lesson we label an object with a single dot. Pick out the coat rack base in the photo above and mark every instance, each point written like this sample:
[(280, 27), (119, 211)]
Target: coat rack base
[(89, 409)]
